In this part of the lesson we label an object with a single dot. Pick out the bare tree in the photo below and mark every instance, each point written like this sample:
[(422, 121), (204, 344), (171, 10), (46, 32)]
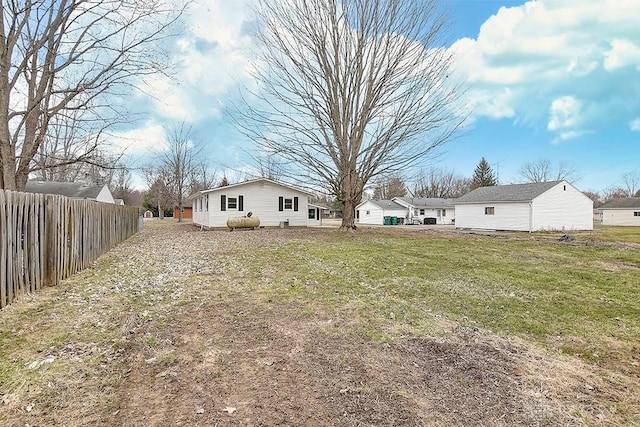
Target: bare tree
[(202, 178), (158, 194), (613, 193), (61, 56), (74, 149), (352, 89), (269, 166), (440, 183), (390, 187), (631, 182), (542, 170), (179, 162)]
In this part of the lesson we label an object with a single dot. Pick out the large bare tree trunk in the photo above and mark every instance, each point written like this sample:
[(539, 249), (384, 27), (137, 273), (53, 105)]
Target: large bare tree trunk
[(350, 90)]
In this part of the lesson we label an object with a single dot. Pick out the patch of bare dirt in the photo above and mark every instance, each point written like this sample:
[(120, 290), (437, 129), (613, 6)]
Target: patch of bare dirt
[(274, 367)]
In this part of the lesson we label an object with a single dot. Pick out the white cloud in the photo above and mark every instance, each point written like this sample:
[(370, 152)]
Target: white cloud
[(212, 60), (564, 113), (634, 125), (149, 138), (557, 64), (622, 53)]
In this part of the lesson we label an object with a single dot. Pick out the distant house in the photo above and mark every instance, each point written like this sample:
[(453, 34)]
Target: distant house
[(555, 205), (373, 211), (187, 212), (276, 204), (624, 211), (407, 210), (440, 211), (73, 190)]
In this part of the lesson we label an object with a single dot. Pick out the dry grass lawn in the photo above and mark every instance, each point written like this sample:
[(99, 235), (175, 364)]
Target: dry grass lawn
[(178, 326)]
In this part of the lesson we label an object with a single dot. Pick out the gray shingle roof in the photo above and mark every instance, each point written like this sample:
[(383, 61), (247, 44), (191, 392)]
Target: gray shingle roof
[(428, 202), (76, 190), (506, 193), (387, 204), (622, 203)]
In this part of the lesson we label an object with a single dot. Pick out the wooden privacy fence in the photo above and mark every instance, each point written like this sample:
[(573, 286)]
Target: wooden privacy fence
[(46, 238)]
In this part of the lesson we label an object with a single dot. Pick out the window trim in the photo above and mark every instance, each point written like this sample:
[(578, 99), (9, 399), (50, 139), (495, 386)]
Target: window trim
[(489, 210)]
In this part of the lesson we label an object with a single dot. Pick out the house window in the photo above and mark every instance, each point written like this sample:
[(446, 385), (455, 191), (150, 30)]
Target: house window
[(415, 211), (312, 213), (444, 212), (235, 203), (206, 203), (636, 213), (288, 203), (490, 210), (421, 211), (368, 212)]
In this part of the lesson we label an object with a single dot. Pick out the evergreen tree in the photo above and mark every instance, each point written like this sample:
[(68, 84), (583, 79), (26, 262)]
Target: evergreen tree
[(483, 176)]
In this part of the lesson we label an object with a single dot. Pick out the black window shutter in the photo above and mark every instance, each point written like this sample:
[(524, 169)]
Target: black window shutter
[(295, 204), (240, 203), (280, 203), (223, 202)]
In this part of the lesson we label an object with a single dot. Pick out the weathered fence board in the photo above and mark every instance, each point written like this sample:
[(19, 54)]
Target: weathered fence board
[(46, 238)]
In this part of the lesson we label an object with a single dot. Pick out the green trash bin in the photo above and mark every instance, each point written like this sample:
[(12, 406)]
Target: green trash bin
[(387, 220), (394, 220)]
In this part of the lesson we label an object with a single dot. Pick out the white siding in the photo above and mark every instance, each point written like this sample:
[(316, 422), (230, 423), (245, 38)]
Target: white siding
[(507, 216), (620, 217), (562, 207), (261, 199), (376, 213), (369, 213), (447, 218), (316, 221), (105, 196)]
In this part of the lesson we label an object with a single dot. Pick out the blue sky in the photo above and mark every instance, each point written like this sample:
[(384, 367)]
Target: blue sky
[(546, 79)]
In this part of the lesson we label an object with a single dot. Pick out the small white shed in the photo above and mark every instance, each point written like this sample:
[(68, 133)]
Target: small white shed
[(276, 204), (623, 211), (554, 205), (373, 211)]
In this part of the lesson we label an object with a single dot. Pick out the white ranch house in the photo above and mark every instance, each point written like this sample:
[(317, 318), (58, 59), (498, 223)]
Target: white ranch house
[(408, 210), (624, 211), (555, 205), (276, 204)]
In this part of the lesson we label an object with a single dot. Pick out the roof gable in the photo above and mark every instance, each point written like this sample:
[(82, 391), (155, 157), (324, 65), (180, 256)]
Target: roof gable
[(622, 203), (384, 204), (252, 182), (507, 193), (425, 202)]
